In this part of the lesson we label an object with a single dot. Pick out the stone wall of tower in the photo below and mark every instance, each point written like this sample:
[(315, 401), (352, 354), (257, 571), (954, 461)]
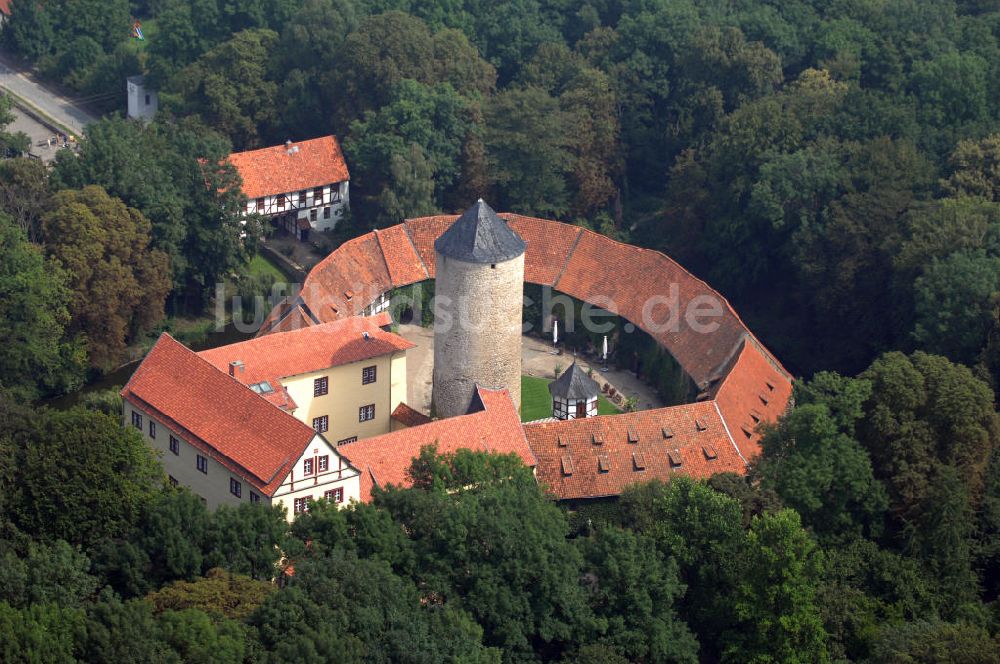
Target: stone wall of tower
[(477, 331)]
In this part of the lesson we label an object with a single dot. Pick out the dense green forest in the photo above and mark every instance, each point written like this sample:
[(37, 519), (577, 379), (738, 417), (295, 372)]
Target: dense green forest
[(833, 168)]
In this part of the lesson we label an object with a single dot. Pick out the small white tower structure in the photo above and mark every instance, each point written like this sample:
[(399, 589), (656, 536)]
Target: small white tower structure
[(142, 101), (574, 394)]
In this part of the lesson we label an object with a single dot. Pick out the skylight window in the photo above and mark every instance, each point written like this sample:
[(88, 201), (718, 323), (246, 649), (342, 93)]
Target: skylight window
[(262, 387)]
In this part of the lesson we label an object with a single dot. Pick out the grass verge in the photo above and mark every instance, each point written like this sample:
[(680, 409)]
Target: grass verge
[(536, 402)]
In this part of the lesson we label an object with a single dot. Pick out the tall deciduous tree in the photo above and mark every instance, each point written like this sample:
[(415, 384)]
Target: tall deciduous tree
[(390, 47), (824, 474), (229, 87), (775, 600), (955, 304), (528, 146), (34, 313), (636, 590), (119, 281), (975, 168), (114, 475), (703, 531), (218, 593), (24, 193), (926, 412), (177, 176), (524, 591)]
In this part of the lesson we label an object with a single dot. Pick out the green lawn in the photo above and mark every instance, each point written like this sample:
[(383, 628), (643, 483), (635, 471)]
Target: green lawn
[(259, 266), (536, 402)]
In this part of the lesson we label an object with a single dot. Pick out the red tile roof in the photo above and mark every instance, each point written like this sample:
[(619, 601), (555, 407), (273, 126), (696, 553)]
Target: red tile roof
[(579, 262), (385, 459), (5, 7), (308, 349), (727, 362), (569, 461), (741, 395), (550, 245), (216, 413), (408, 416), (401, 257), (356, 268), (280, 169)]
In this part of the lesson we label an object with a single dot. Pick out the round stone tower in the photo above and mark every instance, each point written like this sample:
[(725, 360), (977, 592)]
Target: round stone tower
[(478, 297)]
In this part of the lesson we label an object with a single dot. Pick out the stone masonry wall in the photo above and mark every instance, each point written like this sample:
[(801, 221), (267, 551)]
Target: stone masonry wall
[(477, 331)]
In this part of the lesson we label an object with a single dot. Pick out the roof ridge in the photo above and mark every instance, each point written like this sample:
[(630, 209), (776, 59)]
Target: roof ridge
[(381, 252), (266, 148), (409, 237), (569, 256), (291, 417), (729, 434)]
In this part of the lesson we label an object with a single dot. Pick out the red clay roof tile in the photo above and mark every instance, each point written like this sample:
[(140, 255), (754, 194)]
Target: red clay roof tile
[(401, 257), (738, 396), (607, 469), (278, 170), (408, 416), (385, 459), (235, 425), (306, 350)]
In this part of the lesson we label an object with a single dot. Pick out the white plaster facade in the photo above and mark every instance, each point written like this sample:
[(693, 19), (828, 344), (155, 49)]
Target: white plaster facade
[(213, 481), (571, 409), (142, 101), (318, 208)]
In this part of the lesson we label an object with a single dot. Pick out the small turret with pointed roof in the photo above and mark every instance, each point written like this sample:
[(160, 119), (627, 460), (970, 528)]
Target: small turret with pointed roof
[(574, 383), (574, 394), (480, 236)]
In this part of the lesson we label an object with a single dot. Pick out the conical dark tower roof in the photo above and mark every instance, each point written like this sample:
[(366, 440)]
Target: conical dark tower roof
[(480, 236), (574, 383)]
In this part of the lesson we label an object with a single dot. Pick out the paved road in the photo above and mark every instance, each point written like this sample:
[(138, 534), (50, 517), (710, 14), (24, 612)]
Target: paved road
[(43, 99)]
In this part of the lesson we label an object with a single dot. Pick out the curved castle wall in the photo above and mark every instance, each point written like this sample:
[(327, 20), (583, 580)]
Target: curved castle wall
[(477, 331)]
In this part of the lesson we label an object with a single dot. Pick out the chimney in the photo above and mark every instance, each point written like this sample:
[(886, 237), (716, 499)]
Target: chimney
[(234, 367), (288, 144)]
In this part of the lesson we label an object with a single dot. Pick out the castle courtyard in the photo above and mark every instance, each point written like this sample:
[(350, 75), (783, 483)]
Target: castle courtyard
[(537, 360)]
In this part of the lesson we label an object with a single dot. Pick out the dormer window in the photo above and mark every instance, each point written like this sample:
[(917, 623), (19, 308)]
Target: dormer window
[(567, 465)]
